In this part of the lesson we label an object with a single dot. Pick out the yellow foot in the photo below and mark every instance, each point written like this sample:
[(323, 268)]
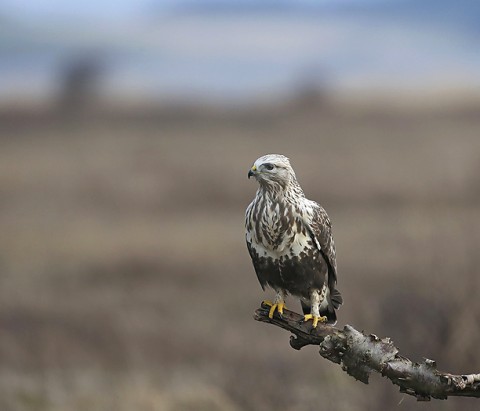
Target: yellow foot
[(315, 319), (278, 306)]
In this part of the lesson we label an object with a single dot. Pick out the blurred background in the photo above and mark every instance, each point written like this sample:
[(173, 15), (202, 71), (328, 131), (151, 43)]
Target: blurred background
[(127, 129)]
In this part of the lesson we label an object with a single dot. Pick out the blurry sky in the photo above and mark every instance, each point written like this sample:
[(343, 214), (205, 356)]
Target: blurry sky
[(233, 50), (126, 9), (51, 9)]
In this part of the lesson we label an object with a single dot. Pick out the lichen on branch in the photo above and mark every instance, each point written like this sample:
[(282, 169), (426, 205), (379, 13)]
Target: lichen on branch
[(359, 354)]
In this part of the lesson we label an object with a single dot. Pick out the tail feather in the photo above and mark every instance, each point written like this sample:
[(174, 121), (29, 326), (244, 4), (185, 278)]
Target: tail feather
[(336, 298)]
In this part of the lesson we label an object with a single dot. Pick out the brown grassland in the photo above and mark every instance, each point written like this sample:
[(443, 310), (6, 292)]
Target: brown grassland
[(126, 283)]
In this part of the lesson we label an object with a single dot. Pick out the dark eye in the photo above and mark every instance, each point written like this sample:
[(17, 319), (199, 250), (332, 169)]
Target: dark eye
[(269, 166)]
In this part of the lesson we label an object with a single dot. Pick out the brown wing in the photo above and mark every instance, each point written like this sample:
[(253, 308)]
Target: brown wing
[(321, 230)]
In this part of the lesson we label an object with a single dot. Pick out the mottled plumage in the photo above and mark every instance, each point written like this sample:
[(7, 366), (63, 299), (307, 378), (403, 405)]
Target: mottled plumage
[(290, 241)]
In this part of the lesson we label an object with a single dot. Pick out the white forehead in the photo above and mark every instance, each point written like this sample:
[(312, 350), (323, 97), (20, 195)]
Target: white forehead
[(277, 159)]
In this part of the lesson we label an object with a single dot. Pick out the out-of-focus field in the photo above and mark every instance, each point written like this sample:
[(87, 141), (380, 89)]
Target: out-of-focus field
[(126, 284)]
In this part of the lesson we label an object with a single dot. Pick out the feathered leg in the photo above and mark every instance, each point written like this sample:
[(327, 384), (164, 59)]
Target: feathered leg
[(278, 303), (316, 298)]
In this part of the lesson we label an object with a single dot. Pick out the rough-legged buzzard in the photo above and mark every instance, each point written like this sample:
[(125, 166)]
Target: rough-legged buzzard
[(290, 241)]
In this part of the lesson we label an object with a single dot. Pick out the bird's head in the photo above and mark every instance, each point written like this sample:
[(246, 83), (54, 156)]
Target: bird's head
[(272, 169)]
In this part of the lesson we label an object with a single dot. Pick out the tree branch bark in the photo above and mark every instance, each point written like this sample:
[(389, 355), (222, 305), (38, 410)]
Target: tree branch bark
[(359, 354)]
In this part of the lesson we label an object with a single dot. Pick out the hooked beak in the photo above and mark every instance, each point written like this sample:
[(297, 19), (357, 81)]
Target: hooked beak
[(251, 173)]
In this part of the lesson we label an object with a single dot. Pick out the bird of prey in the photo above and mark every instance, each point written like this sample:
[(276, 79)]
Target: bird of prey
[(290, 241)]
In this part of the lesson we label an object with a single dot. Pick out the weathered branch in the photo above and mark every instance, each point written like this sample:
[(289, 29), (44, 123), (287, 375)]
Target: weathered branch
[(359, 354)]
